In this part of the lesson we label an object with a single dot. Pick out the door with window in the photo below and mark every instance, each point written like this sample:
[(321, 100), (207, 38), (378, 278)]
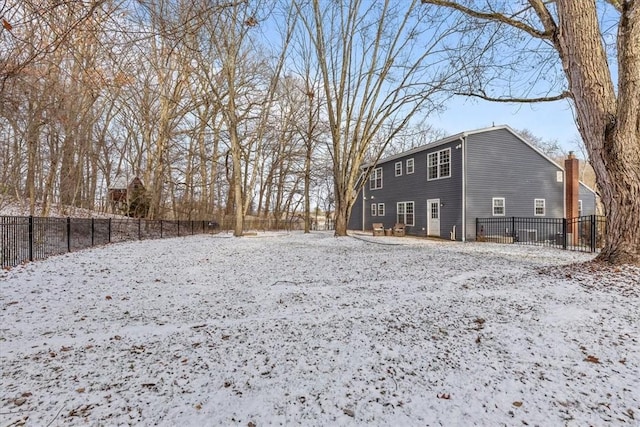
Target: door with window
[(433, 217)]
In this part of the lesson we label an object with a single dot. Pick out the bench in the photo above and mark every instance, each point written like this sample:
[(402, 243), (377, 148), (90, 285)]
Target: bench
[(378, 229)]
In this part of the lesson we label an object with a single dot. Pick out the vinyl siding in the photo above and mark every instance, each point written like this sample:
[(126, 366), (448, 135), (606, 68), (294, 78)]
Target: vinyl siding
[(499, 164), (588, 198), (415, 188)]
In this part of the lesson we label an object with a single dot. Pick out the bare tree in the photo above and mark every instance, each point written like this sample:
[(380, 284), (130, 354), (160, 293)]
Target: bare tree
[(565, 47), (378, 71)]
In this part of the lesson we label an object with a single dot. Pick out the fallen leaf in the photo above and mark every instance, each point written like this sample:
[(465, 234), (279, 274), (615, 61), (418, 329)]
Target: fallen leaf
[(517, 404), (445, 396), (108, 297), (198, 406), (80, 390), (592, 359)]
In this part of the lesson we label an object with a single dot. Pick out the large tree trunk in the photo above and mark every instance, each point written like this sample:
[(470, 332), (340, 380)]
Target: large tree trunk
[(609, 124), (344, 203)]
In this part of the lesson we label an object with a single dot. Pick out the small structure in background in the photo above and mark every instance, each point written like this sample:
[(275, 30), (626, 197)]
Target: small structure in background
[(129, 199)]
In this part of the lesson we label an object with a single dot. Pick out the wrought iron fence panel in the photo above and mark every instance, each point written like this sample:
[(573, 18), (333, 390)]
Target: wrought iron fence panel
[(34, 238), (585, 233)]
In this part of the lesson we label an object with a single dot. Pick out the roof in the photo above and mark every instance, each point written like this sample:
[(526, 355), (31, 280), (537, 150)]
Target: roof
[(118, 183), (463, 135), (122, 183)]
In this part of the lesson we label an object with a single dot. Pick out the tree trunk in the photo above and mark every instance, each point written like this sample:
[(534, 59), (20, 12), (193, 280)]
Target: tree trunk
[(344, 203), (609, 125)]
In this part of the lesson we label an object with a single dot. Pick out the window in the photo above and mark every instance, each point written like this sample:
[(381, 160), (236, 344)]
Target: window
[(374, 209), (405, 213), (498, 206), (579, 207), (375, 180), (380, 209), (538, 207), (409, 166), (439, 164), (398, 168)]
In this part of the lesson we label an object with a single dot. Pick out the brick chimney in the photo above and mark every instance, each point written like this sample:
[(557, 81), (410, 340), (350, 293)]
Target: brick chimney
[(571, 167)]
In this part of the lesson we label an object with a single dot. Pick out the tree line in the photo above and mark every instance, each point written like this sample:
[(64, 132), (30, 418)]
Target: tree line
[(255, 107)]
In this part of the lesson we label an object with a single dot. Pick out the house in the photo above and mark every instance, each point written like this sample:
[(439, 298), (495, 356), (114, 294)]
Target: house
[(440, 189), (129, 198)]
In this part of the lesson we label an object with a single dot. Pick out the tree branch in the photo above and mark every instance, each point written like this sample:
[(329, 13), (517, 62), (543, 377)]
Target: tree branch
[(545, 16), (496, 17), (617, 4), (563, 95)]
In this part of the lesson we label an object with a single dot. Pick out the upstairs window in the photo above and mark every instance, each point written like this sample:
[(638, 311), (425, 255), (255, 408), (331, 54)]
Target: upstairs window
[(538, 207), (410, 166), (375, 180), (439, 164), (398, 168), (498, 206)]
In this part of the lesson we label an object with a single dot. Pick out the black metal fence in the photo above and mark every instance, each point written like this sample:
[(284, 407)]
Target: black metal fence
[(585, 233), (34, 238)]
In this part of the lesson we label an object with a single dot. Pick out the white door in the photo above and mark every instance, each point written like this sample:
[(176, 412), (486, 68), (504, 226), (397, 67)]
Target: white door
[(433, 217)]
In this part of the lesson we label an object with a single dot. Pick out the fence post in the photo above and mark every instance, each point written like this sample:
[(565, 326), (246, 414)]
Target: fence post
[(161, 229), (30, 238), (139, 228), (191, 227), (68, 234), (564, 233), (178, 228), (593, 233), (477, 223), (513, 229), (93, 229), (109, 230)]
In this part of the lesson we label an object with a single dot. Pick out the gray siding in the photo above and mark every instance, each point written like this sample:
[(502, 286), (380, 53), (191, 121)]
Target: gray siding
[(500, 165), (415, 188), (588, 198), (355, 220)]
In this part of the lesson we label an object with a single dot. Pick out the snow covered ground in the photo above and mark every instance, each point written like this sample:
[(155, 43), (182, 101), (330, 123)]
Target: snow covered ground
[(290, 329)]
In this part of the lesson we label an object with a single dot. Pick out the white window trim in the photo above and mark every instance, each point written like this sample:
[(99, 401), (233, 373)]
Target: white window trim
[(374, 209), (404, 205), (412, 168), (398, 168), (373, 178), (579, 208), (535, 207), (381, 209), (439, 164), (493, 206)]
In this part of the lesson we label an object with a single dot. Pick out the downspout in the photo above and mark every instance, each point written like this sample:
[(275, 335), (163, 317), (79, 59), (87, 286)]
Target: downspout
[(363, 205), (464, 189), (564, 192)]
